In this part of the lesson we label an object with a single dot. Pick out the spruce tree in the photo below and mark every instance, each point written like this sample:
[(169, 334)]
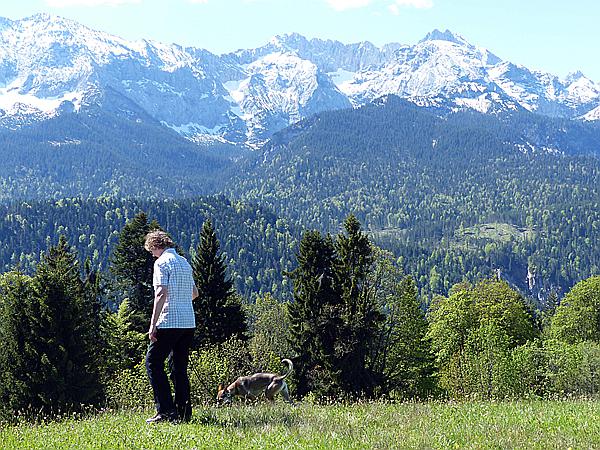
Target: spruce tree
[(93, 300), (218, 309), (15, 294), (123, 347), (315, 316), (61, 346), (362, 316), (132, 266)]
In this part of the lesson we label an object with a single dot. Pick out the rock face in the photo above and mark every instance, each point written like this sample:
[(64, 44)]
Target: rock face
[(51, 66)]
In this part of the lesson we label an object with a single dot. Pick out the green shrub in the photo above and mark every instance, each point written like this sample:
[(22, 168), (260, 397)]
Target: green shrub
[(130, 389), (473, 333), (269, 324), (573, 369), (536, 369), (577, 318), (528, 363), (482, 369), (221, 363)]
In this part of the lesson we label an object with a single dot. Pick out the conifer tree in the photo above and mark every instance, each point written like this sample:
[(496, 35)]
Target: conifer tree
[(549, 310), (362, 315), (123, 347), (218, 309), (132, 266), (61, 346), (93, 298), (15, 293), (315, 315)]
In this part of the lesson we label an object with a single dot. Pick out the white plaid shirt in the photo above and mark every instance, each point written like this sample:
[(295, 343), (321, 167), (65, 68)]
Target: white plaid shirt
[(174, 272)]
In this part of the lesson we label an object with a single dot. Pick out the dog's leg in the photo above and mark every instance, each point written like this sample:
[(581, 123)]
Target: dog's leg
[(273, 389), (285, 393), (248, 398)]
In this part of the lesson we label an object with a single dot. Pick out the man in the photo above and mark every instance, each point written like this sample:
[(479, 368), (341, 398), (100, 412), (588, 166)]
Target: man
[(171, 328)]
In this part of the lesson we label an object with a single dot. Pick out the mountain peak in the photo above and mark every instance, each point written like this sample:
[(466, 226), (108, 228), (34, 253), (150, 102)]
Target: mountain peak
[(5, 23), (40, 16), (574, 76), (437, 35), (288, 41), (46, 17), (47, 21)]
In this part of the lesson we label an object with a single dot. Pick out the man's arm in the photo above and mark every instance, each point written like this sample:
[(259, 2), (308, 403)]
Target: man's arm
[(160, 296), (195, 292)]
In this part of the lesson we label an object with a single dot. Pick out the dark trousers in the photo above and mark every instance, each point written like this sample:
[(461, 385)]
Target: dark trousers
[(174, 343)]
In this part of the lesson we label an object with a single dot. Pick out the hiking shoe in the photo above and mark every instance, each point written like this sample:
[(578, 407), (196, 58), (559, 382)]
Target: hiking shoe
[(162, 417)]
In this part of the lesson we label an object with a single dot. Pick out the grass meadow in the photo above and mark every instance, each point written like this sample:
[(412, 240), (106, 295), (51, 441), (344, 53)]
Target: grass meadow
[(573, 424)]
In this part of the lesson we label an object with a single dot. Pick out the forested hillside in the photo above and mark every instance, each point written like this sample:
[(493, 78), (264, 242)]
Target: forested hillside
[(258, 246), (97, 154), (454, 196)]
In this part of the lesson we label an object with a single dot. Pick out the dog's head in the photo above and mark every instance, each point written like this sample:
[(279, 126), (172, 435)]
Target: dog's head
[(223, 395)]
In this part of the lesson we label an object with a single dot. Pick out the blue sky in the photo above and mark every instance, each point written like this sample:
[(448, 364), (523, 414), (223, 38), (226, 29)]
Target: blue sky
[(557, 36)]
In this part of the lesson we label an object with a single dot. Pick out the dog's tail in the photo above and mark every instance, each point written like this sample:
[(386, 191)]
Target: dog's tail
[(290, 368)]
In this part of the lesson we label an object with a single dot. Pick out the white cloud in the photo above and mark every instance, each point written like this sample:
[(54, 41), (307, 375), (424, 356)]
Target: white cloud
[(419, 4), (340, 5), (201, 2), (67, 3), (394, 7)]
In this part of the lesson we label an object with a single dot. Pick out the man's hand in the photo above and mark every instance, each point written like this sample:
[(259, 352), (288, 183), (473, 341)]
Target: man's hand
[(152, 333), (160, 296)]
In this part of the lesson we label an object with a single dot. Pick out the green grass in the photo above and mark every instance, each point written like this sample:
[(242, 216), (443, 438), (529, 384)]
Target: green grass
[(497, 232), (477, 425)]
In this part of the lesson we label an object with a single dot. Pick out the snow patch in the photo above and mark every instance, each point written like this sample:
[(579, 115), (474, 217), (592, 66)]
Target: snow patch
[(341, 78), (236, 90), (481, 103), (12, 102), (528, 148), (582, 90), (65, 142), (592, 115), (190, 129)]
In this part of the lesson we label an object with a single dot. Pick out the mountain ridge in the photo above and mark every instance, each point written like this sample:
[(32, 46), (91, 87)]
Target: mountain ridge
[(49, 65)]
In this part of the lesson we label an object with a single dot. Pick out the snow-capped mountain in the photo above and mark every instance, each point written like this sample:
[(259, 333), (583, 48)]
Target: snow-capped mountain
[(441, 65), (441, 69), (446, 65), (279, 89), (51, 66)]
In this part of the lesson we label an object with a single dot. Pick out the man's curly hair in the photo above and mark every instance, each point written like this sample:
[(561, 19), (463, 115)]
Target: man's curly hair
[(157, 240)]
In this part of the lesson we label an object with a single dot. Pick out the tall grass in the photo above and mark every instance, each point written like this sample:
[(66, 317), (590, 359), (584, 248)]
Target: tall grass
[(520, 424)]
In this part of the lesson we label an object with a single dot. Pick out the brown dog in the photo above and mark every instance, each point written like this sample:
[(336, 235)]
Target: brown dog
[(250, 387)]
